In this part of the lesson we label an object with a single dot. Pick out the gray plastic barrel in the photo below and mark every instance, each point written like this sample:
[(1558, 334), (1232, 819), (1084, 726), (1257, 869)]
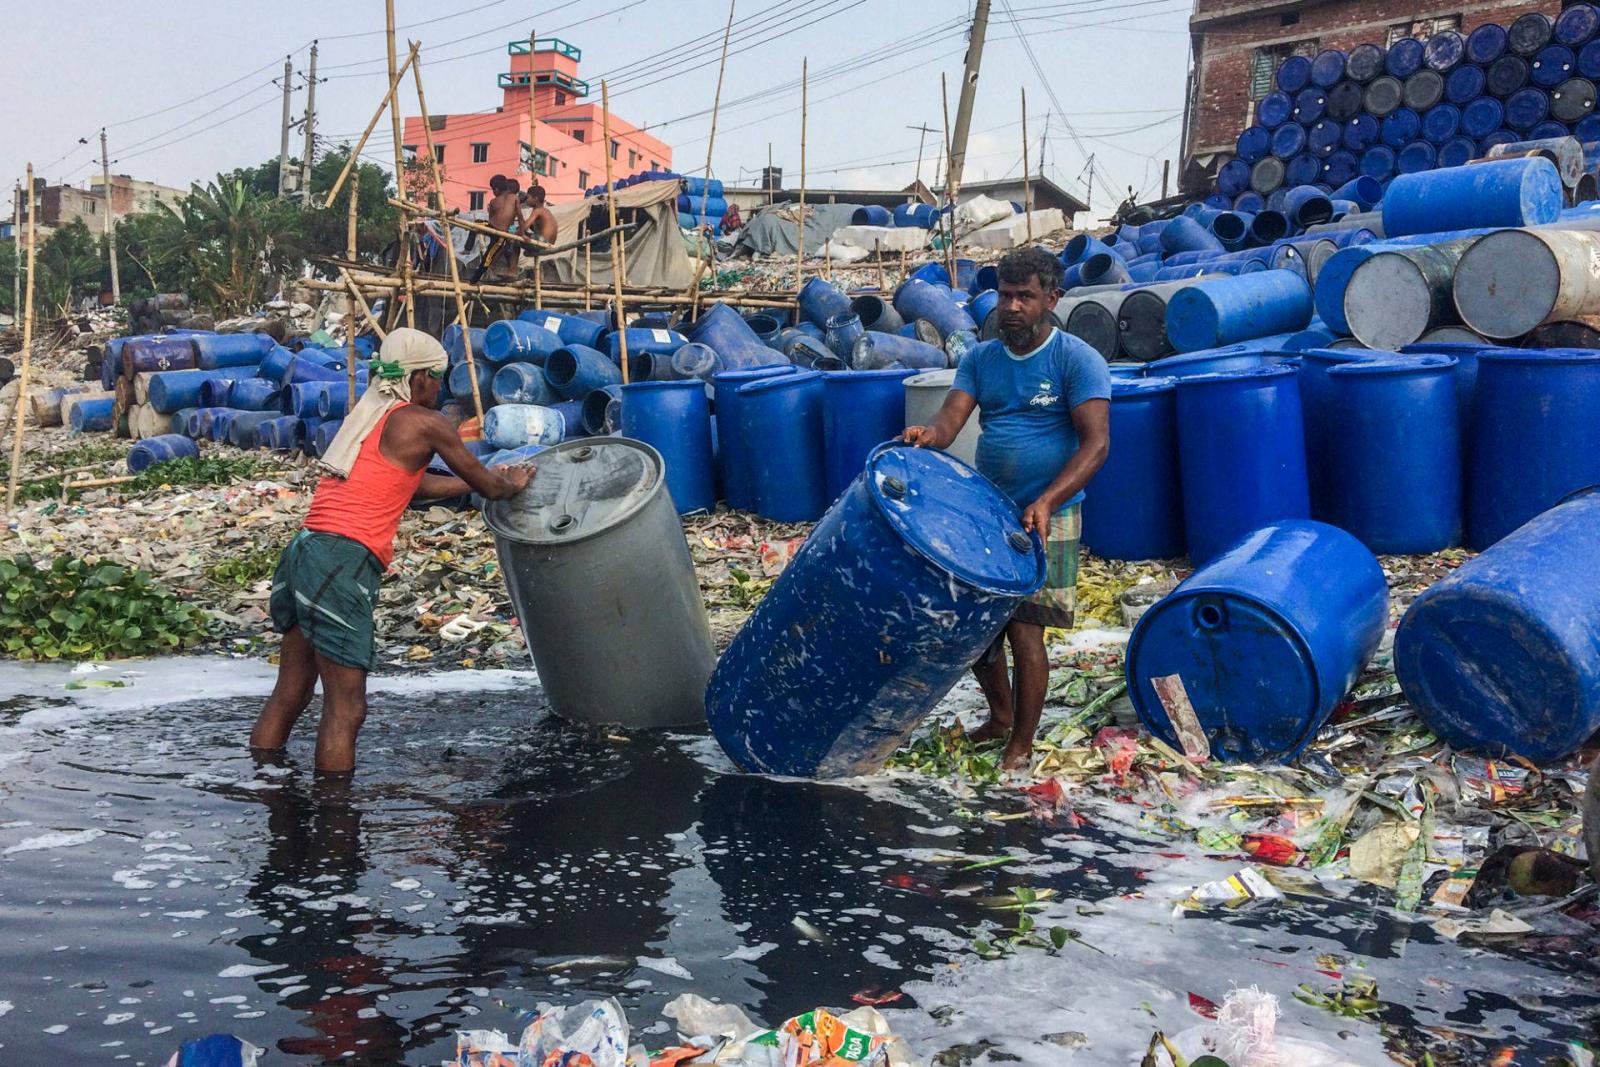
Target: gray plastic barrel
[(1512, 281), (925, 394), (601, 579), (1401, 293)]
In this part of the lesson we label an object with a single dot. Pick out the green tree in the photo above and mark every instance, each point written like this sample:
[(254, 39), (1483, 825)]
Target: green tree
[(69, 264), (8, 271)]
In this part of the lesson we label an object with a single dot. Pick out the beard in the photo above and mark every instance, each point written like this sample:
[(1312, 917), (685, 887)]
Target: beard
[(1018, 334)]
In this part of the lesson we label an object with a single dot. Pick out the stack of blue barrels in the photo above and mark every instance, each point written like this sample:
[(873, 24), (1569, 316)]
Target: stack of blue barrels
[(701, 204), (1417, 105)]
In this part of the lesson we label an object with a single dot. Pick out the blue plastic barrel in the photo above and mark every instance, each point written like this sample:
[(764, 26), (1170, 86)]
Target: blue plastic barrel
[(1133, 507), (1294, 74), (1327, 68), (860, 411), (675, 419), (1457, 151), (879, 314), (459, 381), (726, 332), (871, 215), (1242, 455), (1322, 420), (519, 341), (1526, 108), (1303, 169), (1261, 644), (171, 390), (1365, 62), (1405, 57), (221, 420), (838, 664), (1465, 84), (251, 394), (1252, 145), (733, 453), (1378, 162), (710, 206), (1551, 65), (1393, 463), (1535, 437), (515, 425), (1416, 157), (304, 368), (1441, 122), (1487, 43), (1482, 116), (920, 216), (1216, 361), (320, 437), (663, 342), (1400, 128), (1310, 104), (244, 427), (1324, 136), (216, 350), (881, 351), (781, 430), (1444, 51), (1288, 140), (1500, 656), (602, 409), (571, 413), (157, 352), (304, 399), (1577, 25), (574, 371), (275, 364), (916, 299), (1340, 169), (1219, 312), (286, 433), (153, 450), (572, 329), (1507, 192), (1361, 133), (843, 331), (521, 383), (216, 392), (821, 300)]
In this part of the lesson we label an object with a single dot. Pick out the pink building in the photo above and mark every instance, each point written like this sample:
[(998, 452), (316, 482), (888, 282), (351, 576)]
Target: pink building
[(473, 147)]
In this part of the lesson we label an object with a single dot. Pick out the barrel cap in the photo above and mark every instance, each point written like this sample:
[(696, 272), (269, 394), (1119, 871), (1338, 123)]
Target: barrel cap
[(581, 488), (955, 518)]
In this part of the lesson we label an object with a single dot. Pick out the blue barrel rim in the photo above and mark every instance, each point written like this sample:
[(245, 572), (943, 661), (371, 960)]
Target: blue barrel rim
[(880, 374), (1562, 356), (933, 553), (769, 382), (1135, 387), (1422, 362), (651, 383), (1249, 375)]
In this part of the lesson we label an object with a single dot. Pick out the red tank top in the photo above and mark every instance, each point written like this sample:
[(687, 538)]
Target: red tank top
[(366, 507)]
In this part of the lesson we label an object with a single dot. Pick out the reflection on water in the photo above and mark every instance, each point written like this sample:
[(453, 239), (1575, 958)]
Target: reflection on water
[(156, 884)]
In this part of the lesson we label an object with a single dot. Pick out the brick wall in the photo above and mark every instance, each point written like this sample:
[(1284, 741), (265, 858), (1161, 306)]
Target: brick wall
[(1226, 34)]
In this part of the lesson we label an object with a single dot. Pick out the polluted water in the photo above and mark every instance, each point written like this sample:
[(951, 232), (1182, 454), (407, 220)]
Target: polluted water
[(159, 883)]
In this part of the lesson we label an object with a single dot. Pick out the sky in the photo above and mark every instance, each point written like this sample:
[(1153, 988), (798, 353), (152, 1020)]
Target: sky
[(186, 89)]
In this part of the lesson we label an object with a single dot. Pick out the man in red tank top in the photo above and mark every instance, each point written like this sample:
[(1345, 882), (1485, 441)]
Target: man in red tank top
[(326, 584)]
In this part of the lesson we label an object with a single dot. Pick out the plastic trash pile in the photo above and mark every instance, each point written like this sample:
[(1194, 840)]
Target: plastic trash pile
[(595, 1034)]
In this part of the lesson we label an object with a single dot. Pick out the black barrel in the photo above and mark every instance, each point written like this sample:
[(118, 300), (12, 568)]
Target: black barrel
[(1572, 100), (1266, 176), (1092, 322), (1564, 335), (1364, 63), (1344, 101), (1143, 320), (1529, 33), (1383, 94), (1506, 75), (1423, 90)]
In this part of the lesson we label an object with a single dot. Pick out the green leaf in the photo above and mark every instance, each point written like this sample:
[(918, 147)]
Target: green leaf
[(1059, 936)]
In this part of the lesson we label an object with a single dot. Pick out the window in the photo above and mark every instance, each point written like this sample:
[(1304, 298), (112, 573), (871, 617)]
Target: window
[(438, 152), (633, 159), (583, 179), (475, 201), (480, 151), (410, 152), (577, 133), (1422, 29), (561, 98), (654, 165), (614, 147), (1264, 63)]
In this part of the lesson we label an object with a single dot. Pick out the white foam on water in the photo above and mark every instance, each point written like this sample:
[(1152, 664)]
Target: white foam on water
[(58, 1028), (246, 970), (60, 839), (666, 965), (751, 952)]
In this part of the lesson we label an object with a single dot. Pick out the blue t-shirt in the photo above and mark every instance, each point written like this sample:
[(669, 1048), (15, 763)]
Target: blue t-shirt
[(1025, 409)]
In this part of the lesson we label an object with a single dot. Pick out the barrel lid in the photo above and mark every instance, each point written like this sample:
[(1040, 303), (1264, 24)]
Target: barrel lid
[(929, 379), (1335, 355), (837, 376), (1245, 376), (678, 383), (781, 381), (580, 489), (740, 375), (1542, 355), (1402, 365), (956, 519), (1136, 387)]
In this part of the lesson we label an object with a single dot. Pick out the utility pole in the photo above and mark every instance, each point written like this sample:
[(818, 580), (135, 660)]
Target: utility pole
[(924, 129), (1166, 172), (969, 89), (16, 241), (311, 123), (283, 146), (1044, 136), (1089, 188), (111, 230)]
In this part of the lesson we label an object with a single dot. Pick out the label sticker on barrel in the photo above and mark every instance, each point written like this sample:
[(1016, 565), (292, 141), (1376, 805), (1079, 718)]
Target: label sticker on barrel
[(553, 324), (1180, 712), (664, 336)]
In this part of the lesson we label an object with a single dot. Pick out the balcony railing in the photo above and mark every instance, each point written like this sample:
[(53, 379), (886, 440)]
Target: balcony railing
[(545, 44), (557, 78)]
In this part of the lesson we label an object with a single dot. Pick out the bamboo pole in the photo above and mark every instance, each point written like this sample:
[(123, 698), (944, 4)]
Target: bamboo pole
[(800, 252), (27, 350), (588, 275), (352, 289), (533, 150), (704, 264), (449, 246), (402, 256), (529, 244), (355, 153), (616, 242), (1027, 190), (877, 247), (950, 229), (349, 302)]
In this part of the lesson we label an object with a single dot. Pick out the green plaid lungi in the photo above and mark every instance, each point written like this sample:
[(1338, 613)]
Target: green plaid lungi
[(327, 585), (1056, 603)]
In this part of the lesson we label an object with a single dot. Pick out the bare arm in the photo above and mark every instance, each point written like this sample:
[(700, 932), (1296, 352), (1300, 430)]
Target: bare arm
[(1092, 420), (494, 484), (440, 487), (953, 414)]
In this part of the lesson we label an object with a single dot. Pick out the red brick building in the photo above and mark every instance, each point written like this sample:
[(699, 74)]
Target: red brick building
[(1236, 46)]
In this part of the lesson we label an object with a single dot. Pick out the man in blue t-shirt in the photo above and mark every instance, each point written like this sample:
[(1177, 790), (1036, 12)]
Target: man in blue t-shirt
[(1044, 402)]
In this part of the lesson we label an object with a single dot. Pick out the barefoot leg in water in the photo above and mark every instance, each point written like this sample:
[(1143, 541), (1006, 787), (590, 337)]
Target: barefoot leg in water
[(995, 681), (1032, 674)]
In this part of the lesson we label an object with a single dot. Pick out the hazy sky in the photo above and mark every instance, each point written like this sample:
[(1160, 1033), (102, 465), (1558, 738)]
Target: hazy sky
[(186, 89)]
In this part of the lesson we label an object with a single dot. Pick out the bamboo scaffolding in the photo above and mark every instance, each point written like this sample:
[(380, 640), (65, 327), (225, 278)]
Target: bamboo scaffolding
[(349, 302), (449, 247), (402, 256), (21, 401), (435, 285), (704, 265), (351, 289), (355, 153), (618, 264), (949, 158)]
